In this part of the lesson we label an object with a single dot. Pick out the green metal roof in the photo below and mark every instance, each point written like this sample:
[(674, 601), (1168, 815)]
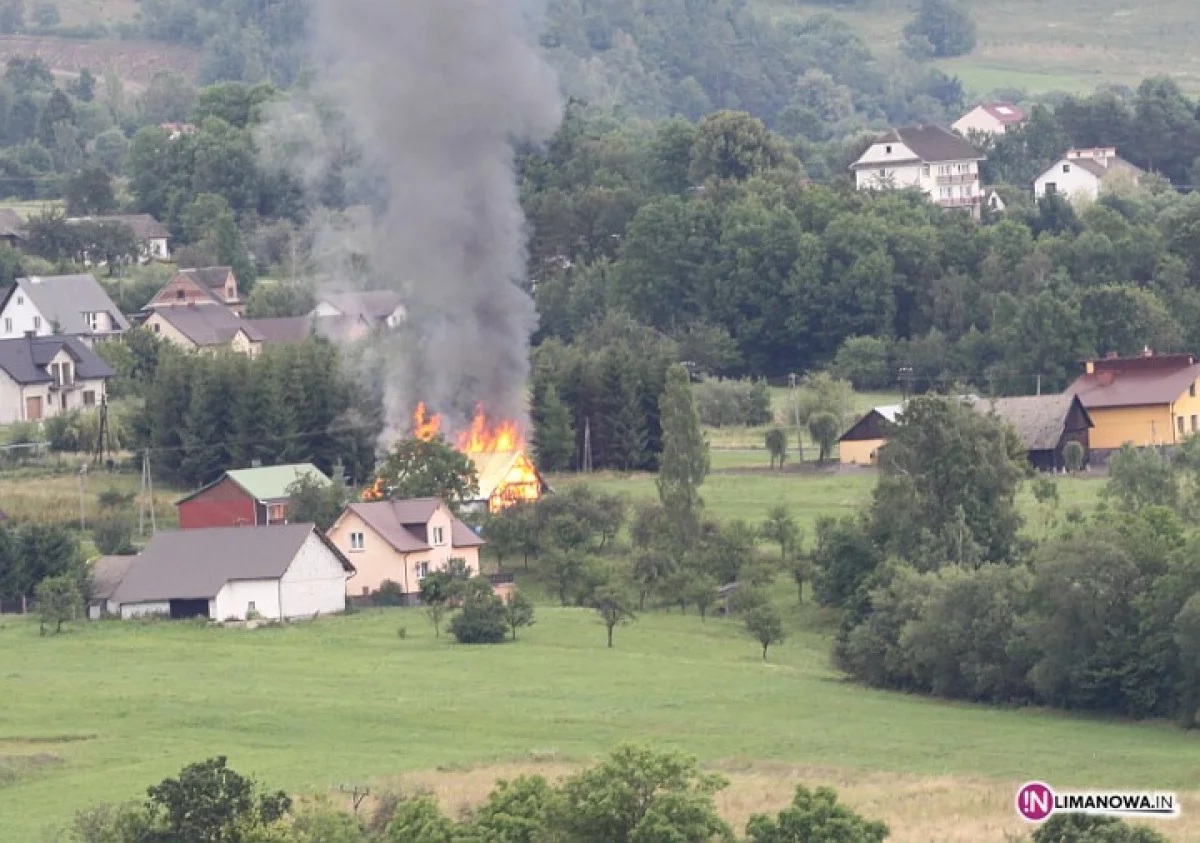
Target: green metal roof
[(271, 481)]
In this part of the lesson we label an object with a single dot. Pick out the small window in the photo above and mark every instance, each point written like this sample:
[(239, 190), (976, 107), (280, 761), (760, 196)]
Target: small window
[(276, 512), (439, 536), (1195, 423), (422, 570), (37, 323), (888, 150), (1179, 422), (181, 294), (8, 326), (1051, 188), (156, 327), (89, 398), (356, 541), (250, 607), (20, 300), (1192, 390), (1066, 168), (366, 591), (925, 170), (883, 174)]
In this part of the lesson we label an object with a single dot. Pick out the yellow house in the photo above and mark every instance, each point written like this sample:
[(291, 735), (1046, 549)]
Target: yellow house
[(861, 443), (1146, 400), (401, 541)]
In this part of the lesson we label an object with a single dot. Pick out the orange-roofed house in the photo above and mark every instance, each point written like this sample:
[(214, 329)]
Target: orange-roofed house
[(1146, 400), (402, 541)]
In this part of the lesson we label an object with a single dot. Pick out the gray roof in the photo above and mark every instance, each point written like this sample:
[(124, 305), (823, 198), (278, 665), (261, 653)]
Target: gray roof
[(207, 324), (105, 574), (375, 304), (1038, 419), (933, 143), (143, 226), (1099, 170), (196, 564), (209, 277), (63, 299), (25, 359), (11, 224), (282, 329), (402, 524)]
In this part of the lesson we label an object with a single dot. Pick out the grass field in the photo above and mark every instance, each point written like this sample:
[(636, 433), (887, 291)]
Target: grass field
[(26, 496), (1066, 45), (101, 712)]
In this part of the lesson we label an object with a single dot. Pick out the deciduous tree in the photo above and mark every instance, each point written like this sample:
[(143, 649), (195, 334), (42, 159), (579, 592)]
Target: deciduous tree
[(614, 605), (685, 459), (765, 626), (58, 601)]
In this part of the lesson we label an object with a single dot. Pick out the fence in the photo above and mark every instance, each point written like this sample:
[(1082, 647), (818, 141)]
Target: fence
[(22, 606)]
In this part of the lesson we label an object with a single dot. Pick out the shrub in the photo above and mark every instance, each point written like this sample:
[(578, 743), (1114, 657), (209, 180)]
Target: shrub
[(722, 403), (483, 619), (113, 535), (389, 594)]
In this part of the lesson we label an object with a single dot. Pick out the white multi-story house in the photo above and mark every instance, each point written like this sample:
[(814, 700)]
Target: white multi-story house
[(71, 305), (1081, 174), (991, 118), (41, 377), (933, 159)]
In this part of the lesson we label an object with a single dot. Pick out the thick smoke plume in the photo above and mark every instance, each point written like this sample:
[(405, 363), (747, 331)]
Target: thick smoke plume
[(435, 95)]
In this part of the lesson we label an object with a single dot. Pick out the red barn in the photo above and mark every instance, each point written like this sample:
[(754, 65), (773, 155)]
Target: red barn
[(245, 497)]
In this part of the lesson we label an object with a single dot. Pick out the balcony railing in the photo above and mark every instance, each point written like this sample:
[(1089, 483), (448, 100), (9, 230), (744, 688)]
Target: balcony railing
[(958, 178), (958, 201)]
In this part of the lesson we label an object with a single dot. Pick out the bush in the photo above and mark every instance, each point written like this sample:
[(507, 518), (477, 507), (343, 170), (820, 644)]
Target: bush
[(483, 619), (113, 535), (722, 403), (389, 594)]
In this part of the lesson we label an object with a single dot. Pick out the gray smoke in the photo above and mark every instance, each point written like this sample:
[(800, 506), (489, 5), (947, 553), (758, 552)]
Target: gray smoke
[(433, 95)]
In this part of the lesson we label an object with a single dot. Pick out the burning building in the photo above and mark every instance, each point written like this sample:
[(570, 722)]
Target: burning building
[(506, 474)]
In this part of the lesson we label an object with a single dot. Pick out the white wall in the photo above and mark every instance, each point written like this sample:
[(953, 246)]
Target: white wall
[(315, 582), (1076, 183), (18, 316), (234, 599), (326, 309), (137, 610), (978, 120)]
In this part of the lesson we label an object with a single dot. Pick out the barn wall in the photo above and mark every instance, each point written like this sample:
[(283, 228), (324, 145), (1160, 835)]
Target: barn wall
[(138, 610), (224, 505), (315, 582), (234, 599)]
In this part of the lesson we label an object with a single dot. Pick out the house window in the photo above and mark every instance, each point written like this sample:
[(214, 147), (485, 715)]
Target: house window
[(250, 607), (89, 398), (156, 327), (37, 323), (925, 170), (20, 300), (1192, 390), (883, 174), (439, 535), (356, 541), (181, 294), (888, 149), (1195, 423), (8, 326), (1179, 422), (1051, 188), (422, 570), (1066, 168), (366, 591), (276, 512)]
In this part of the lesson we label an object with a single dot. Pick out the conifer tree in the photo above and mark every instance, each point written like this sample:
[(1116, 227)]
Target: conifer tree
[(623, 420), (207, 423), (167, 400), (685, 460), (553, 434)]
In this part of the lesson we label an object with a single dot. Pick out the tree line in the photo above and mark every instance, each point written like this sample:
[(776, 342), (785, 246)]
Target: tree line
[(942, 592)]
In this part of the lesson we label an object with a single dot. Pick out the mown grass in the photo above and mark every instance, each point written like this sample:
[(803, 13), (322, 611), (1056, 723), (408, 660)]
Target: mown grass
[(1067, 45), (310, 706)]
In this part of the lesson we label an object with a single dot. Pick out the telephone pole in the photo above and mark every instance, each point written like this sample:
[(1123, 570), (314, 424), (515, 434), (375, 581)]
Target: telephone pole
[(795, 402)]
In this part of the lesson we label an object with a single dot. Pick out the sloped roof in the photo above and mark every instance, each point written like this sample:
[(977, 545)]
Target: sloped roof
[(402, 524), (374, 304), (268, 482), (207, 324), (283, 329), (105, 574), (143, 226), (196, 564), (934, 143), (493, 470), (887, 413), (25, 359), (1039, 419), (63, 299), (1004, 112), (11, 224), (208, 277), (1133, 388)]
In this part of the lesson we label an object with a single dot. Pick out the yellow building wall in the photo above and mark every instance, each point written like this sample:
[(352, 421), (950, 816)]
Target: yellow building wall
[(1114, 426), (859, 452), (1187, 408)]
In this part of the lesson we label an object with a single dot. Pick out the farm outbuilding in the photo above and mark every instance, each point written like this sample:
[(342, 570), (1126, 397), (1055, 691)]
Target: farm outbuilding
[(236, 573), (245, 497)]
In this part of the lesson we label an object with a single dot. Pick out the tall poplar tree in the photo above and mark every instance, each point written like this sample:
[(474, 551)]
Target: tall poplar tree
[(685, 461)]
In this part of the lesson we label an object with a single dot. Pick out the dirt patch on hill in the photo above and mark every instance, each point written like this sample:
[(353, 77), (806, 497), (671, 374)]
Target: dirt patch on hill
[(135, 62), (917, 809)]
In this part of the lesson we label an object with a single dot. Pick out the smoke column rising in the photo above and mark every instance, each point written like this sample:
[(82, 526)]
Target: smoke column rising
[(437, 92)]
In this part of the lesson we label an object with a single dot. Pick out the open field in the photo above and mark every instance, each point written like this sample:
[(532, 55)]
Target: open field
[(1066, 45), (110, 708), (29, 496), (33, 207)]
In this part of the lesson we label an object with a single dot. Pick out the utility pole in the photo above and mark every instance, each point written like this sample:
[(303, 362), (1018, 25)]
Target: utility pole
[(907, 377), (793, 398), (150, 486), (587, 446), (1039, 384), (82, 486)]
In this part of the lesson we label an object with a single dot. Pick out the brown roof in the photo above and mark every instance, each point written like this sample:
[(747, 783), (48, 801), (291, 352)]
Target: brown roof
[(374, 304), (208, 324), (196, 564), (1038, 419), (933, 143), (11, 224), (105, 575), (209, 277), (402, 523), (1004, 112), (283, 329), (1136, 382)]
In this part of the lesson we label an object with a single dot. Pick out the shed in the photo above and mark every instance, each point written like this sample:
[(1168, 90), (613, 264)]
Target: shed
[(105, 575), (861, 443), (1045, 424), (246, 496), (235, 573)]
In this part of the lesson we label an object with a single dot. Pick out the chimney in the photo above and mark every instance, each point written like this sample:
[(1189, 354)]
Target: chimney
[(1112, 355), (1147, 352)]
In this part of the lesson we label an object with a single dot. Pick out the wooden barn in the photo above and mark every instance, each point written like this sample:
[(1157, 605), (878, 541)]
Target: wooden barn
[(1045, 424), (245, 497), (861, 443)]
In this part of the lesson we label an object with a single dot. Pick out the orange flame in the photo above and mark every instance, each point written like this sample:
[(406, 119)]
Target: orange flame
[(425, 426), (487, 436)]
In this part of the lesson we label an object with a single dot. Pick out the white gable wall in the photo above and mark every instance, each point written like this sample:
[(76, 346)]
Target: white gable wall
[(21, 315), (315, 582), (324, 308), (1070, 180), (978, 120), (234, 599)]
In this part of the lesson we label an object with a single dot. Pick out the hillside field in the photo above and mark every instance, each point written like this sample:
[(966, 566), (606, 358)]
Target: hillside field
[(108, 708), (1043, 45)]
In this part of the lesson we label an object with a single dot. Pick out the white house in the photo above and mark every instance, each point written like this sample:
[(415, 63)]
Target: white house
[(154, 240), (931, 158), (74, 305), (990, 118), (278, 572), (1081, 174), (41, 377), (378, 308)]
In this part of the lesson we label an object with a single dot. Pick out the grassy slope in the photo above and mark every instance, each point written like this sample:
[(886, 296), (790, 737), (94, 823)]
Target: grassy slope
[(1044, 45), (314, 705)]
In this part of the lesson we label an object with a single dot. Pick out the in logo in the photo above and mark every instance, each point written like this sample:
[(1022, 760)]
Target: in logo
[(1035, 801)]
